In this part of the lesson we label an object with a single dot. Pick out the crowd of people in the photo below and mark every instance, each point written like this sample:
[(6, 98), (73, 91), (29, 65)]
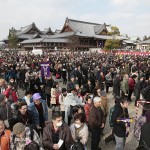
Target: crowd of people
[(79, 105)]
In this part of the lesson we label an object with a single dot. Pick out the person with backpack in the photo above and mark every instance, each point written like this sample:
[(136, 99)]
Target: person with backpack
[(21, 136), (4, 137)]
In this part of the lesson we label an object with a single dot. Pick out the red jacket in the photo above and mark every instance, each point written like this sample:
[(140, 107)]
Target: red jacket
[(131, 83), (11, 94), (87, 111)]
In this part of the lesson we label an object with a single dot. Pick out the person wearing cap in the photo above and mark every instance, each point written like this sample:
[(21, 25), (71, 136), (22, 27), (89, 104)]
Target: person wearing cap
[(22, 136), (39, 111), (4, 137), (96, 123), (5, 109)]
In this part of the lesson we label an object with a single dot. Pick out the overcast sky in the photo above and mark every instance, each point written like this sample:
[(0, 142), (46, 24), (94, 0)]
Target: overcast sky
[(131, 16)]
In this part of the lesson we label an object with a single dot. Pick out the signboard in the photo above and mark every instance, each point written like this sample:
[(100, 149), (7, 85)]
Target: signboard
[(45, 69)]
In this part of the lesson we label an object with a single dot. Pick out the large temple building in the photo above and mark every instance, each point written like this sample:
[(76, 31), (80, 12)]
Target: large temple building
[(78, 35)]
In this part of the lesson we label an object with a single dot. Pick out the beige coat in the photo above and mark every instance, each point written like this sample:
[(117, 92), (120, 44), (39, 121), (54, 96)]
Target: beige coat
[(83, 134), (53, 96), (61, 102)]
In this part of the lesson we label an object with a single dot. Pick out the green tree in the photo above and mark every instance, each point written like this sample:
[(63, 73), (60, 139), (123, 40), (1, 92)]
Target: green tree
[(111, 44), (114, 31), (12, 39)]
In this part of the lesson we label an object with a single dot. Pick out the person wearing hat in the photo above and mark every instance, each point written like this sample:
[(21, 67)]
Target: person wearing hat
[(96, 123), (39, 111), (5, 109), (21, 136)]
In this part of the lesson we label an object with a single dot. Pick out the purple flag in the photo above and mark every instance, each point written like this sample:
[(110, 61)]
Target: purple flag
[(45, 69)]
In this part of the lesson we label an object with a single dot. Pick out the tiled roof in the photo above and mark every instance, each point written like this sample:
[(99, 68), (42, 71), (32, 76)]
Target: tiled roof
[(146, 42), (86, 28), (45, 40)]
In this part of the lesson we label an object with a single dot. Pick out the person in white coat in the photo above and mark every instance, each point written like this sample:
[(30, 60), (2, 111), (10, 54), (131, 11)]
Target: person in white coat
[(71, 100), (61, 101)]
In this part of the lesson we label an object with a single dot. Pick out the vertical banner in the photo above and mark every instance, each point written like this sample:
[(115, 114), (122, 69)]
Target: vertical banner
[(45, 69)]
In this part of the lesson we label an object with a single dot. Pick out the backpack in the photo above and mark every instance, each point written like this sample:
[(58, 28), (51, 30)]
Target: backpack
[(145, 92), (31, 135), (77, 146)]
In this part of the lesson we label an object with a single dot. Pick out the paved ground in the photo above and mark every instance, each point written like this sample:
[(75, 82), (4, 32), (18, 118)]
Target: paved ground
[(131, 143)]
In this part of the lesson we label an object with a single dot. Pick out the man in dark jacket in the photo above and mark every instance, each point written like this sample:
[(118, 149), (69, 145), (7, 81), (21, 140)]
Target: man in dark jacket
[(145, 130), (96, 123), (120, 128), (116, 86), (56, 131)]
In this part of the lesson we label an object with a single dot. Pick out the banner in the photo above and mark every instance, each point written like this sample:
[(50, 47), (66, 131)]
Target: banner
[(45, 69), (133, 53)]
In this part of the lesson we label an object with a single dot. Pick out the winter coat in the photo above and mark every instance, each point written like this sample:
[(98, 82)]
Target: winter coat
[(5, 140), (125, 86), (11, 94), (119, 127), (5, 111), (19, 144), (131, 83), (61, 102), (137, 128), (15, 118), (35, 113), (116, 86), (145, 135), (70, 100), (83, 133), (64, 134), (95, 117), (53, 96), (87, 111)]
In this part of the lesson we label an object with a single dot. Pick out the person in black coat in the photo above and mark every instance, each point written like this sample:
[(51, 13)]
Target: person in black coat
[(138, 87), (88, 86), (116, 86), (120, 127), (145, 130)]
